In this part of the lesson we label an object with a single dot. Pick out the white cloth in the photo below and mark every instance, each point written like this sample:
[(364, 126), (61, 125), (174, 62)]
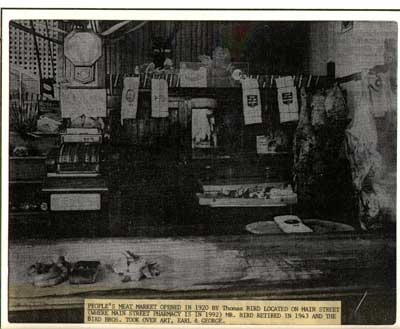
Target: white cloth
[(159, 98), (362, 139), (201, 128), (251, 101), (191, 75), (287, 99), (129, 99)]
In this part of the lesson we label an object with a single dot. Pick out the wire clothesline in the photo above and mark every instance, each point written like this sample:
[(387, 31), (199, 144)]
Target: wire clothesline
[(265, 81), (174, 79)]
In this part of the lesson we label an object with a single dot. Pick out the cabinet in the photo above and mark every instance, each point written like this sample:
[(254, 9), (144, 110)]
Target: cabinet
[(30, 215), (28, 206)]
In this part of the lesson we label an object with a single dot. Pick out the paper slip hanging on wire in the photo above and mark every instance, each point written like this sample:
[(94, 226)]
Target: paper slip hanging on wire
[(129, 99), (251, 101), (287, 99), (159, 98)]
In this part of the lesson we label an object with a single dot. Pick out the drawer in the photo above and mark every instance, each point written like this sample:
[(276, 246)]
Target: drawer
[(75, 201), (27, 168)]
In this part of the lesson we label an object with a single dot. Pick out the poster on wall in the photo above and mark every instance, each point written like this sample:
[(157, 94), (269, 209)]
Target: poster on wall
[(203, 123)]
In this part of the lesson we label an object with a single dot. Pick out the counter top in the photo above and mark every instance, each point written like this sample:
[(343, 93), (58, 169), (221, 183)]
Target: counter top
[(242, 266)]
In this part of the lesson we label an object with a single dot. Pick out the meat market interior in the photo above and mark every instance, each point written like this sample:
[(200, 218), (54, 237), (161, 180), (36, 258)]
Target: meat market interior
[(202, 159)]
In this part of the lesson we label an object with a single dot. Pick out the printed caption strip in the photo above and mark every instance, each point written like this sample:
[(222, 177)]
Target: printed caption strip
[(155, 311)]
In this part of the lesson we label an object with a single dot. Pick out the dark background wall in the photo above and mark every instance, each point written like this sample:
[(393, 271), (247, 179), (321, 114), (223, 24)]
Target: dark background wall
[(280, 48), (269, 47)]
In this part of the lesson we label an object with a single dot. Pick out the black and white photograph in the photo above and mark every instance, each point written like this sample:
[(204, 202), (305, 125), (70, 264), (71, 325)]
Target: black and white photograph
[(214, 159)]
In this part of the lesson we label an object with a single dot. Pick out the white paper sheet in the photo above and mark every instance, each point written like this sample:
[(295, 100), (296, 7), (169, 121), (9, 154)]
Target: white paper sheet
[(159, 98), (129, 99), (251, 101), (287, 99)]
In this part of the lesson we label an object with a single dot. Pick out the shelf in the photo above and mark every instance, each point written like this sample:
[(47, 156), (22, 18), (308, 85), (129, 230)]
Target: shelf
[(75, 184), (238, 155), (26, 182), (73, 174), (45, 134), (41, 157), (236, 183), (223, 202), (27, 213), (272, 153)]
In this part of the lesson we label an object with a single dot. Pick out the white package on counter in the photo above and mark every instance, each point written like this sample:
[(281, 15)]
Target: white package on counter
[(291, 224)]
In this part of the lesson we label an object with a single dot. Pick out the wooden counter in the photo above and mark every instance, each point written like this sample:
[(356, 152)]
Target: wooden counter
[(244, 266)]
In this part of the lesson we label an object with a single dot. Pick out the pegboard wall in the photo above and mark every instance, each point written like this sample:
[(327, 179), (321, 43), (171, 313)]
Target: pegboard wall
[(22, 48)]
